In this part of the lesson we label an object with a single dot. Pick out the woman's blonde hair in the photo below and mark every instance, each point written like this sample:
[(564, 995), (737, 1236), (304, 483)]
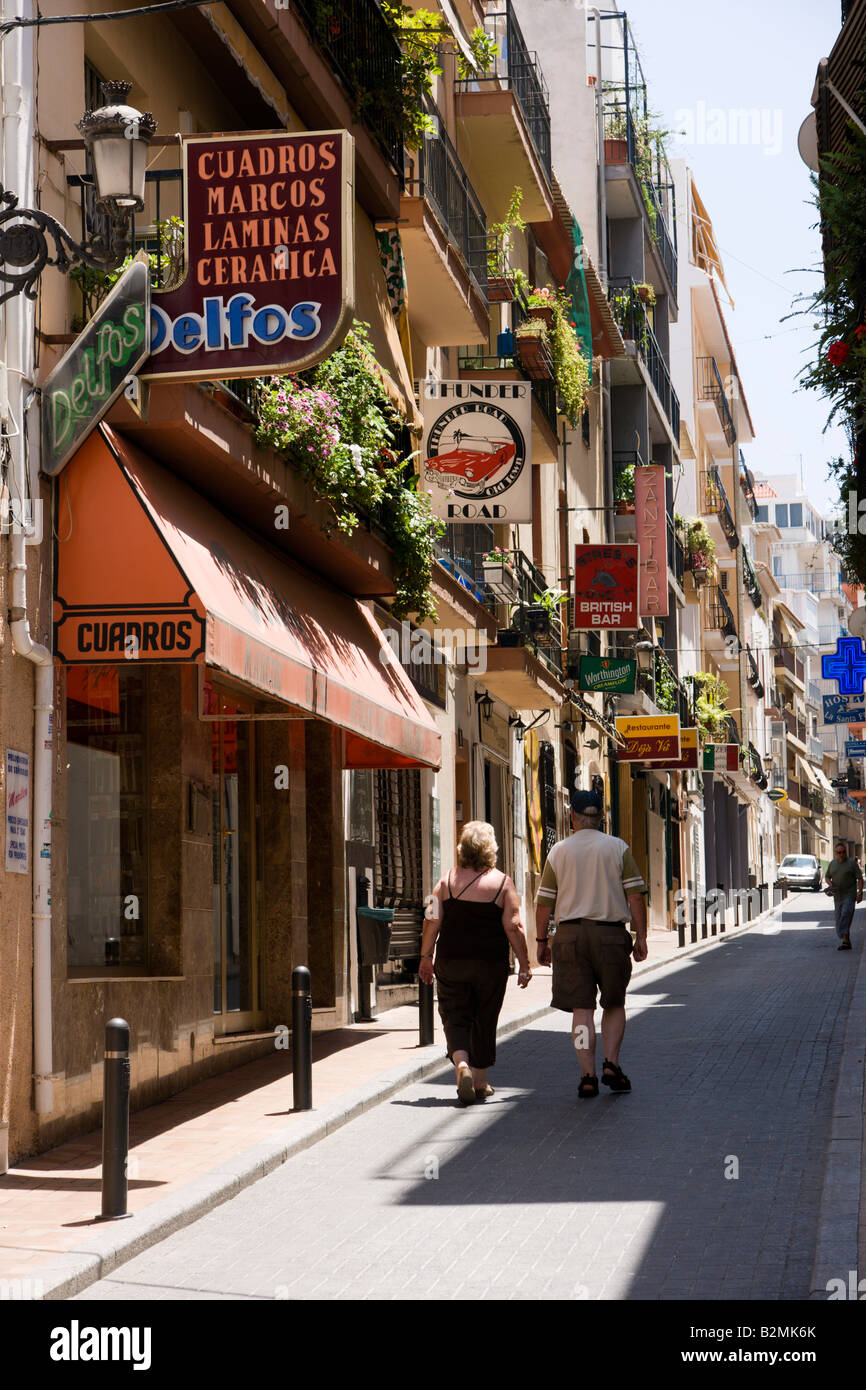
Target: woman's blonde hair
[(477, 848)]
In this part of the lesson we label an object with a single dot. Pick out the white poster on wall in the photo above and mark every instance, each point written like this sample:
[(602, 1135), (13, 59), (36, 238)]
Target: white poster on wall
[(476, 451), (17, 812)]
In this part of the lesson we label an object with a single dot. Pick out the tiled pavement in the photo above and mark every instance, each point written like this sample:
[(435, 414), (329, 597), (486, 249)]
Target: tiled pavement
[(704, 1183)]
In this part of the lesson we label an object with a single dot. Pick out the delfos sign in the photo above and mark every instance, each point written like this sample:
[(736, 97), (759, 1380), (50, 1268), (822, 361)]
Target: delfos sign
[(269, 284)]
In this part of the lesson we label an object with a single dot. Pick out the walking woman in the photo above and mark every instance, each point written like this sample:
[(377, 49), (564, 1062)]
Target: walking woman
[(473, 914)]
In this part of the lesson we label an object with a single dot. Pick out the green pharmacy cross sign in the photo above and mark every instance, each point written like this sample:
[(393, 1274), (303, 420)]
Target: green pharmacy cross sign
[(92, 374)]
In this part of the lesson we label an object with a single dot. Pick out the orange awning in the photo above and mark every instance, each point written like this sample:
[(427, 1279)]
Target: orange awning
[(148, 570)]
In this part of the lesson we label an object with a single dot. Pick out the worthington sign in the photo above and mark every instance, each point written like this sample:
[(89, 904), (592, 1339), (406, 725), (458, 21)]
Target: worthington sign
[(91, 375)]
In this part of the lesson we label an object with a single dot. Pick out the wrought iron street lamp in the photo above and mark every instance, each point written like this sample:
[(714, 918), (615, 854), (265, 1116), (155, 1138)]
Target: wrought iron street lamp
[(116, 137)]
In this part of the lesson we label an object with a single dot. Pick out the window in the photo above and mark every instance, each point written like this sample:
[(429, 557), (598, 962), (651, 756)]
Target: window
[(777, 565), (796, 513), (763, 514), (782, 514), (107, 818)]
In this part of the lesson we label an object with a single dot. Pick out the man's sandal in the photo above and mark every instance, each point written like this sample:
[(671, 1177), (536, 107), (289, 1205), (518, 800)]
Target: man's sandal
[(616, 1078), (588, 1087)]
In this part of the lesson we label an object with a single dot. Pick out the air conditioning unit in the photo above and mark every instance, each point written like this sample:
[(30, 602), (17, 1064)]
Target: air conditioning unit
[(777, 749)]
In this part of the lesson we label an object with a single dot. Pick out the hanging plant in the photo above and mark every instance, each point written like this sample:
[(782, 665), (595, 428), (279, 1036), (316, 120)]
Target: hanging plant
[(421, 34), (570, 368), (339, 430)]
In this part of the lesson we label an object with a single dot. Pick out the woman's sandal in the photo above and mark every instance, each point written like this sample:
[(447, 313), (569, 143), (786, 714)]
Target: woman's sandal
[(466, 1087), (616, 1078), (588, 1087), (482, 1092)]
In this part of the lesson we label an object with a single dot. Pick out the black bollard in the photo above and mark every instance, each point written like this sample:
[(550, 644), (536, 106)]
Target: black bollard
[(302, 1038), (425, 1014), (115, 1120)]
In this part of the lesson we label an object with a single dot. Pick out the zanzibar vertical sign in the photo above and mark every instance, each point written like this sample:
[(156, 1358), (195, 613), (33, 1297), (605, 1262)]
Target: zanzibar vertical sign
[(269, 249), (17, 812), (651, 518)]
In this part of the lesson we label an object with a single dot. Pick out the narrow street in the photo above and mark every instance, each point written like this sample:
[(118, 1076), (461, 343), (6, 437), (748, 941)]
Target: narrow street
[(704, 1183)]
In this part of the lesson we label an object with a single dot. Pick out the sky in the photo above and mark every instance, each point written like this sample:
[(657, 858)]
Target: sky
[(702, 60)]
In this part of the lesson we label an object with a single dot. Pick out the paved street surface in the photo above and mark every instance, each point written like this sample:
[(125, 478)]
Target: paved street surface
[(704, 1183)]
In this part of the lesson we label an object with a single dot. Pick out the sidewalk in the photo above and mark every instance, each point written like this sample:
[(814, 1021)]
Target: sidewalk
[(199, 1148)]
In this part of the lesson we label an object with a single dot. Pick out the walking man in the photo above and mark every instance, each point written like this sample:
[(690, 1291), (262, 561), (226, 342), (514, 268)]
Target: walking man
[(593, 884), (845, 879)]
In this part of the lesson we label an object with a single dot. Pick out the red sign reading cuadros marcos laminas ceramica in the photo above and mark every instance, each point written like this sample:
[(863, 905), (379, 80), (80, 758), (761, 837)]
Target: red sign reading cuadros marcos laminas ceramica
[(269, 283)]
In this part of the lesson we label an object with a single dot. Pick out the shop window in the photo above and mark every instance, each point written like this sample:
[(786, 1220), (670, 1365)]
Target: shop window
[(107, 839)]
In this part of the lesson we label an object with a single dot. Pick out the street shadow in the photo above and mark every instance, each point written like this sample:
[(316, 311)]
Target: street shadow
[(716, 1158)]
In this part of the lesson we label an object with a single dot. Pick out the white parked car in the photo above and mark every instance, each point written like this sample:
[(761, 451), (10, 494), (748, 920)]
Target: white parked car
[(800, 871)]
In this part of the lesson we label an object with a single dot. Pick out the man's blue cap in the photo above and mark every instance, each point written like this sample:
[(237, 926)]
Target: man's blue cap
[(583, 802)]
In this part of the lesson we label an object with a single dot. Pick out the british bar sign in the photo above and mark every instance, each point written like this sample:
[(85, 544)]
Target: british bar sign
[(269, 257), (476, 451), (606, 587)]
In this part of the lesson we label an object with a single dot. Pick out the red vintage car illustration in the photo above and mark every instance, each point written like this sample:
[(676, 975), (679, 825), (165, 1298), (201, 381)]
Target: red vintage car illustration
[(472, 465)]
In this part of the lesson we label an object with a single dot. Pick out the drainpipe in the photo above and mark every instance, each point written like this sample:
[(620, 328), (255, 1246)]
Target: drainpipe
[(15, 384)]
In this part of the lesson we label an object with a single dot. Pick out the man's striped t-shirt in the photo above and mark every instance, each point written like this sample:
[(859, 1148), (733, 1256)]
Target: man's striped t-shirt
[(590, 874)]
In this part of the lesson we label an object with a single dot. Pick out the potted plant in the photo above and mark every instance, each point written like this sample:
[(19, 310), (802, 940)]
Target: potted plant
[(700, 551), (499, 573), (645, 293), (623, 491), (532, 342), (615, 136), (500, 280), (540, 614)]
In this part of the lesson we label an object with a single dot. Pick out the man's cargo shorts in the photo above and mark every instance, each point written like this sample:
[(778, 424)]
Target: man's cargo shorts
[(588, 956)]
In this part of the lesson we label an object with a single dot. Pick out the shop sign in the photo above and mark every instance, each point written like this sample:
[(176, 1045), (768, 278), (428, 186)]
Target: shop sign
[(651, 530), (476, 451), (845, 709), (846, 666), (269, 257), (17, 812), (613, 675), (93, 635), (777, 794), (606, 587), (721, 757), (91, 375), (855, 748), (649, 738), (495, 735), (688, 759)]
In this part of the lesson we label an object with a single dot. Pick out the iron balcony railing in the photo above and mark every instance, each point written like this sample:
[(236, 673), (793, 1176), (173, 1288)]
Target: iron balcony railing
[(786, 658), (676, 552), (619, 126), (461, 552), (754, 675), (711, 388), (715, 501), (750, 580), (436, 174), (816, 749), (632, 317), (517, 69), (747, 483), (717, 614), (813, 582), (731, 729), (163, 199), (531, 583), (795, 726), (366, 57), (624, 464)]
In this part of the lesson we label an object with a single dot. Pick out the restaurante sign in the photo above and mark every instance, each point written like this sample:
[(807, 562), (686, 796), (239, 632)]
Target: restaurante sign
[(269, 283)]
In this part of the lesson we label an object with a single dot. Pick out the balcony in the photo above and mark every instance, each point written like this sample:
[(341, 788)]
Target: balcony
[(812, 582), (633, 320), (714, 503), (750, 581), (717, 614), (505, 117), (754, 676), (747, 483), (711, 388), (365, 55), (829, 635), (676, 552), (785, 660), (444, 235), (816, 749), (796, 727), (796, 792), (474, 364)]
